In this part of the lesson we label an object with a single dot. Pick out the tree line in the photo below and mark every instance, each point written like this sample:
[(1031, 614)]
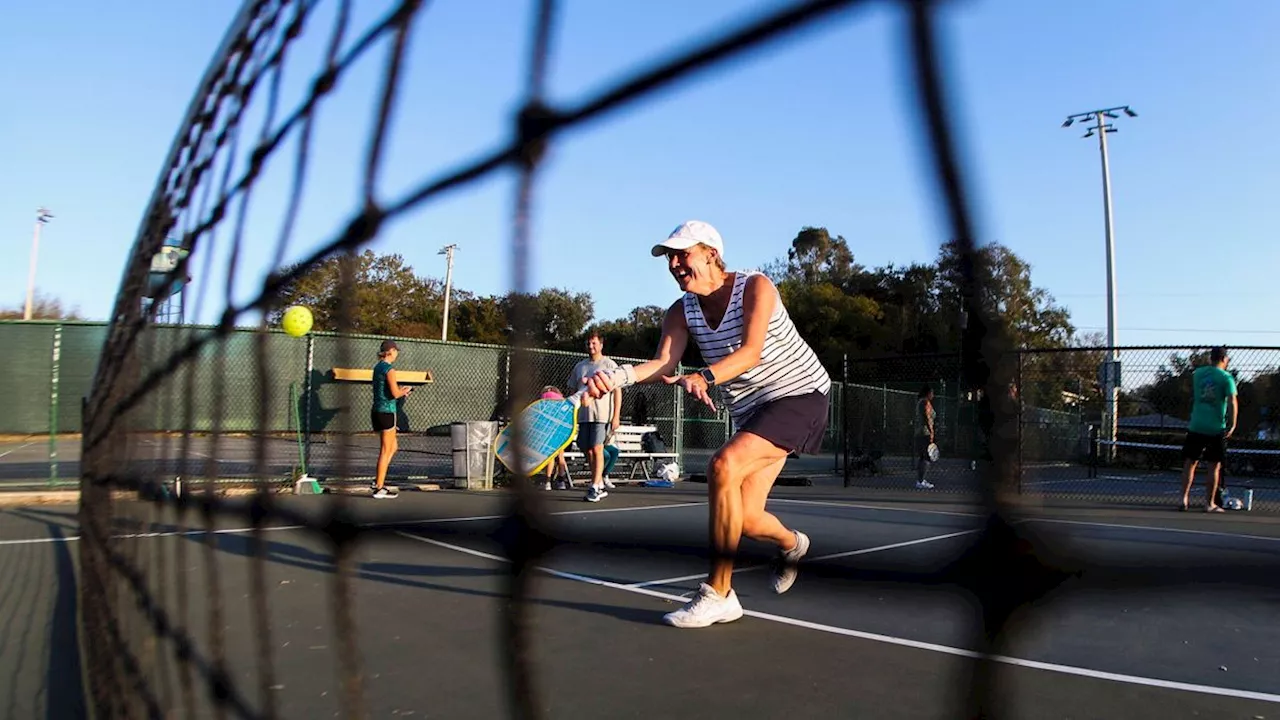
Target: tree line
[(848, 312), (838, 305)]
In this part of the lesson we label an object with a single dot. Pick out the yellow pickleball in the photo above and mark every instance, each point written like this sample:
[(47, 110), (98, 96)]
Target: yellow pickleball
[(296, 321)]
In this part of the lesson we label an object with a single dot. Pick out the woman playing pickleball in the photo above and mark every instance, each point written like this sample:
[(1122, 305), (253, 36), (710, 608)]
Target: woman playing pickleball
[(777, 395)]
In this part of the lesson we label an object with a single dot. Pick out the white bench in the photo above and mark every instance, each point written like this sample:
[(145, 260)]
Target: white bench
[(630, 449)]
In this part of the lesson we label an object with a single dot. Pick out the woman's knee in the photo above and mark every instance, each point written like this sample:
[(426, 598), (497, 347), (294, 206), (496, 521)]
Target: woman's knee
[(722, 468)]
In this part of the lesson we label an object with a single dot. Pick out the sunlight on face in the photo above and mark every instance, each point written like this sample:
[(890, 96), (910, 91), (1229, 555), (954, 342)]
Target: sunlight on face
[(694, 269)]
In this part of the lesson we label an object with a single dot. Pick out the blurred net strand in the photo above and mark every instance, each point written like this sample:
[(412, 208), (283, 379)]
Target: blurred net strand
[(525, 541), (977, 344)]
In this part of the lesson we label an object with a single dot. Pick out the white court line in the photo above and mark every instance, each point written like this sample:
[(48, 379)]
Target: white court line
[(16, 450), (591, 511), (135, 536), (832, 556), (874, 507), (1059, 482), (903, 642), (1153, 528), (73, 538)]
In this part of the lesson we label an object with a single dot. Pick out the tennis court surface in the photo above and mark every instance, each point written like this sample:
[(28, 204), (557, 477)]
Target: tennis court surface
[(1155, 614)]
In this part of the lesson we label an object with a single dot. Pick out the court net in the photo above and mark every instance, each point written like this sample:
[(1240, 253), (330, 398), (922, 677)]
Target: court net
[(155, 624), (1257, 467)]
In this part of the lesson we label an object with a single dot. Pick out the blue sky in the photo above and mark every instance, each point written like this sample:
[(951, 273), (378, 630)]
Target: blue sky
[(820, 129)]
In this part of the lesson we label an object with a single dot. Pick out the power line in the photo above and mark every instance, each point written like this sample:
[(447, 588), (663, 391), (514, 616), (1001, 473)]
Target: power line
[(1184, 330)]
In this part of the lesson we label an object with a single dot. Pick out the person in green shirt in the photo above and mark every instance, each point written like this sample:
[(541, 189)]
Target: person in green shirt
[(1213, 420), (383, 414)]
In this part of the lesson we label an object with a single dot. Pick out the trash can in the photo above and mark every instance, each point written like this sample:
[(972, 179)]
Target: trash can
[(473, 454)]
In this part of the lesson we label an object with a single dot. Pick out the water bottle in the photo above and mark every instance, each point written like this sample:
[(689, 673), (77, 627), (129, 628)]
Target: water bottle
[(1248, 499)]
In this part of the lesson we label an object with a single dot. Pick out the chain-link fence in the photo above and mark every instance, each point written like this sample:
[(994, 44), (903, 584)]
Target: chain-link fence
[(1068, 444), (311, 419)]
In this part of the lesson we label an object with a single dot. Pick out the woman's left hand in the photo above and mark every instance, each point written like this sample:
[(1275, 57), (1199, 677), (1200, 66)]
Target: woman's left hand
[(693, 384)]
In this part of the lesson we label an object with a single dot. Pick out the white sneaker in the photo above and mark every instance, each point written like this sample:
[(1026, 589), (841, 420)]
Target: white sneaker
[(924, 485), (383, 493), (784, 568), (707, 607), (609, 483)]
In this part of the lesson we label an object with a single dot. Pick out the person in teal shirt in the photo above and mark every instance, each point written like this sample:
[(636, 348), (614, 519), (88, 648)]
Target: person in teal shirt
[(383, 414), (1213, 419)]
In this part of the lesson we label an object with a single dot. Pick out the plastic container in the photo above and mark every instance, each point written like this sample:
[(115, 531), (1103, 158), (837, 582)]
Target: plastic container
[(472, 444)]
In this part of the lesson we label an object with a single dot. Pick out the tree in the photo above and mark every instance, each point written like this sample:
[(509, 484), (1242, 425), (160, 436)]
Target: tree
[(832, 322), (479, 319), (553, 318), (383, 296), (1028, 312), (635, 335), (43, 307), (1066, 380), (914, 321), (815, 256)]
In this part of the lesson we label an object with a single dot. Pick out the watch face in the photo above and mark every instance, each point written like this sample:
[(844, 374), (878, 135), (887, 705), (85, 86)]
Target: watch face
[(708, 376)]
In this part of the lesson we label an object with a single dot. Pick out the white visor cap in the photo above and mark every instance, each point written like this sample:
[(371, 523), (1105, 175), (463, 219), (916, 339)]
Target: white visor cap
[(690, 233)]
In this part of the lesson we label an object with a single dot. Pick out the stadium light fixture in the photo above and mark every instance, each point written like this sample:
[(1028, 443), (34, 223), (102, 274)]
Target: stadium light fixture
[(447, 251), (1110, 375), (43, 216)]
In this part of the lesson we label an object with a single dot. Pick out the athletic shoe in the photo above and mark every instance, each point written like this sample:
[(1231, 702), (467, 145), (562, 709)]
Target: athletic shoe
[(784, 568), (595, 494), (382, 493), (609, 483), (707, 607), (924, 485)]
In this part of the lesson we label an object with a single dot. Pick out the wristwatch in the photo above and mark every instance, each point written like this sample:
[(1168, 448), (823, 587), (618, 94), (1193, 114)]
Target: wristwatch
[(708, 376)]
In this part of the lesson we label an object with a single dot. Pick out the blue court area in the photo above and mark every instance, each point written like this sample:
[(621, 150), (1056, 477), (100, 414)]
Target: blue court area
[(1155, 614)]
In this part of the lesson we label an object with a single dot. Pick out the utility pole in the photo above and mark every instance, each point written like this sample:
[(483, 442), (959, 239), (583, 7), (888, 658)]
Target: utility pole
[(1111, 369), (42, 216), (447, 251)]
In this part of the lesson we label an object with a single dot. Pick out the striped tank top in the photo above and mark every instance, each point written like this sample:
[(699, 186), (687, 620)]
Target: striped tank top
[(788, 366)]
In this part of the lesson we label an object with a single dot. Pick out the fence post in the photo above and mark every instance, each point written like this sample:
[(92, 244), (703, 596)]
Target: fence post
[(844, 418), (307, 391), (677, 415), (54, 374), (842, 442), (1021, 408)]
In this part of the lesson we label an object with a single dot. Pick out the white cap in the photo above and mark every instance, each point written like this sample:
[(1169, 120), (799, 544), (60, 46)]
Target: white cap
[(690, 233)]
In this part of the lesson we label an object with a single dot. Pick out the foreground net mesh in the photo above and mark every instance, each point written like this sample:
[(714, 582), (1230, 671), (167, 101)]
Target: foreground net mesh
[(156, 617)]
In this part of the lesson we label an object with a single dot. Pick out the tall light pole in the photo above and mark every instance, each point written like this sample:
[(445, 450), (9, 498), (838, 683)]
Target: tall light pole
[(1111, 369), (447, 251), (42, 216)]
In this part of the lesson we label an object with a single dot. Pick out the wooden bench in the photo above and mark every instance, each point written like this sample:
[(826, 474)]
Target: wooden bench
[(631, 450), (403, 377)]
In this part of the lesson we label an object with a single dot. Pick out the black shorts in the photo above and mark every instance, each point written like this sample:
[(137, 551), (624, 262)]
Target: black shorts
[(1210, 448), (795, 424), (382, 420)]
